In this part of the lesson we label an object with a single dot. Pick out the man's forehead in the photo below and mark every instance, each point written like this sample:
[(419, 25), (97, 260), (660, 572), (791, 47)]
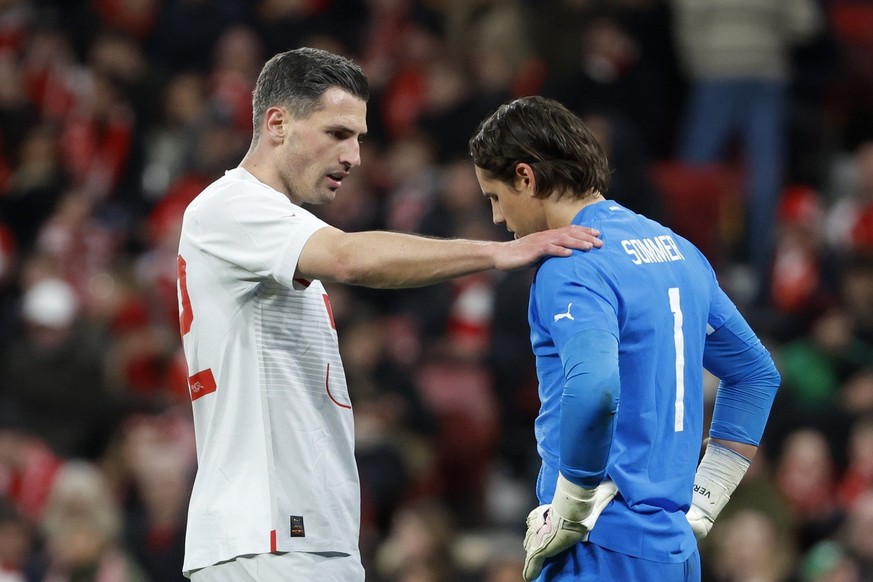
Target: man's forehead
[(343, 107), (485, 177)]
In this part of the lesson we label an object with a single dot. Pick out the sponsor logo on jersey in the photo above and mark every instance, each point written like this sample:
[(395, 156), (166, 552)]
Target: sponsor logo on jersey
[(566, 315)]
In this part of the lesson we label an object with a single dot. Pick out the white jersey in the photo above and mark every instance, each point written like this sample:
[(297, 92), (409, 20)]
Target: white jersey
[(272, 416)]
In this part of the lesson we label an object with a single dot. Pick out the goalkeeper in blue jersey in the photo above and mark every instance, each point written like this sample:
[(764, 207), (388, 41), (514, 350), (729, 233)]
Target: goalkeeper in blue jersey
[(621, 337)]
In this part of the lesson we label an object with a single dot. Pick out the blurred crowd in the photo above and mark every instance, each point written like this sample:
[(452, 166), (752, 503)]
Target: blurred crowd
[(747, 126)]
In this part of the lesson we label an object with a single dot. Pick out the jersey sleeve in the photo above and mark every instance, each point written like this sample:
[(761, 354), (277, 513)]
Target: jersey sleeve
[(260, 232), (721, 307), (579, 311), (748, 380), (571, 299), (589, 404)]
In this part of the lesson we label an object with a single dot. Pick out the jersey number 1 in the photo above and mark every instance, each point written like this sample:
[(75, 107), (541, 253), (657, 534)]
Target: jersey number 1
[(679, 344)]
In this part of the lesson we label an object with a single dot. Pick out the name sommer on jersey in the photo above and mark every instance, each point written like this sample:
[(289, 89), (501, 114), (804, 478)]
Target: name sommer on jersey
[(659, 249)]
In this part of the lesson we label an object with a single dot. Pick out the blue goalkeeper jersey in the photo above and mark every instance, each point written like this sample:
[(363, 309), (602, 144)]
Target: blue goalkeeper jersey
[(658, 296)]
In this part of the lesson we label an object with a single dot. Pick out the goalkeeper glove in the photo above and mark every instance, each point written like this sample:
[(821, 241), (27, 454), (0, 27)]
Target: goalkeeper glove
[(718, 474), (556, 526)]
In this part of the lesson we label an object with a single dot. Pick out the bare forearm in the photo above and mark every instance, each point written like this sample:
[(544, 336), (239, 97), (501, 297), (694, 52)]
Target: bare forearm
[(393, 260)]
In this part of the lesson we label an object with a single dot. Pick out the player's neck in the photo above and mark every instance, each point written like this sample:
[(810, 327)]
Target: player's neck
[(561, 210), (256, 164)]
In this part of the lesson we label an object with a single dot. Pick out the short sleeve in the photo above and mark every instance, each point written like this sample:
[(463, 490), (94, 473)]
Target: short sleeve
[(259, 231)]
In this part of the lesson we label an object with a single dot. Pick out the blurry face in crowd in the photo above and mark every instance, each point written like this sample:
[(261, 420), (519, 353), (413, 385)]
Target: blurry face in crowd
[(514, 206), (317, 152)]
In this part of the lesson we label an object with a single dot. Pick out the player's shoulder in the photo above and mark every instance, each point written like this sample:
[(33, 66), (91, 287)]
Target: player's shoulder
[(580, 265), (234, 192), (235, 184)]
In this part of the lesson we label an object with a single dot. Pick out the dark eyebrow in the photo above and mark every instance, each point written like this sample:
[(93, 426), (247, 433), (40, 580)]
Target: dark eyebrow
[(343, 129)]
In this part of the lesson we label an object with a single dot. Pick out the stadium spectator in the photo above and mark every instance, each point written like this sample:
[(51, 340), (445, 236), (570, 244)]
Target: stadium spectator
[(736, 58)]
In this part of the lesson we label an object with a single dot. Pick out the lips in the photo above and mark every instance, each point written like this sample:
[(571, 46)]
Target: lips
[(335, 179)]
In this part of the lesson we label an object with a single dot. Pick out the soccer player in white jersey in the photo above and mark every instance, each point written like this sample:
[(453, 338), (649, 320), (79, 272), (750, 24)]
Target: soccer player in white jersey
[(276, 496), (621, 337)]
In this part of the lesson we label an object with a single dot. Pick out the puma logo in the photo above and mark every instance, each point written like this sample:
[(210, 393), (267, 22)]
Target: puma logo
[(565, 315)]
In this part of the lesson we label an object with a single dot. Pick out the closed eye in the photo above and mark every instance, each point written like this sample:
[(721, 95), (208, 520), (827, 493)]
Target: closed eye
[(344, 134)]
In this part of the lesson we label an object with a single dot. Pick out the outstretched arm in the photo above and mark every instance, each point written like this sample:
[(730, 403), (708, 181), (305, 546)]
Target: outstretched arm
[(397, 260)]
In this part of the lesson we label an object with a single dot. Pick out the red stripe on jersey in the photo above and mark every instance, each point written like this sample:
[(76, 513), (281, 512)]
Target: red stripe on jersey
[(273, 540), (201, 384), (329, 310), (327, 386), (186, 316)]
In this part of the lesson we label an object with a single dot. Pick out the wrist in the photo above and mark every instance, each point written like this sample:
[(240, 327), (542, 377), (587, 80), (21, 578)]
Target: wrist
[(572, 502), (718, 475), (492, 251)]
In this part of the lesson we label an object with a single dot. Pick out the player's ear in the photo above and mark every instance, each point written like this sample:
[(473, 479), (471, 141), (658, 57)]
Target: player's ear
[(274, 122), (525, 179)]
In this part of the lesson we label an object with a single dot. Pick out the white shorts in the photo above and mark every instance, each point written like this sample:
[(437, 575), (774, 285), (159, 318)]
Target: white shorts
[(284, 567)]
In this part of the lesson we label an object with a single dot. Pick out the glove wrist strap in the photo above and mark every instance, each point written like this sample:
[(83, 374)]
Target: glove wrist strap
[(718, 475), (572, 502)]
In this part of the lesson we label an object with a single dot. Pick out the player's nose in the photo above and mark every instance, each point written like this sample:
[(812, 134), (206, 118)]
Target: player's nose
[(497, 216), (351, 154)]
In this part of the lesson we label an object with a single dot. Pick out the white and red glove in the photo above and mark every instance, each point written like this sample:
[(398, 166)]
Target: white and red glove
[(567, 520)]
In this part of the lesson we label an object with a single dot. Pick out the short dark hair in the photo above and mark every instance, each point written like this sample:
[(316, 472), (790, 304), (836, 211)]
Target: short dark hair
[(562, 151), (298, 78)]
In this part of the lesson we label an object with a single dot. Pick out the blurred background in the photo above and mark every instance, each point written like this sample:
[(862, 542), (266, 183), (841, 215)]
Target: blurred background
[(746, 126)]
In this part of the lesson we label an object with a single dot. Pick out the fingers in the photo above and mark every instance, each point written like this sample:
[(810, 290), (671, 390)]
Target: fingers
[(533, 560), (537, 512), (535, 520), (700, 524), (582, 238), (564, 245), (560, 242), (558, 251), (533, 565), (588, 234), (606, 491), (529, 537)]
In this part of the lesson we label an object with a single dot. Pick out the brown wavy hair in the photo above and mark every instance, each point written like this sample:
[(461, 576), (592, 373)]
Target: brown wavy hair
[(564, 154)]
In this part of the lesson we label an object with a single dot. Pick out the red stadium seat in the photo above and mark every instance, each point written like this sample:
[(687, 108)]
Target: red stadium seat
[(703, 203)]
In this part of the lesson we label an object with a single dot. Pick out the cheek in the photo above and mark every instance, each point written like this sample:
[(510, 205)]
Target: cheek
[(301, 154)]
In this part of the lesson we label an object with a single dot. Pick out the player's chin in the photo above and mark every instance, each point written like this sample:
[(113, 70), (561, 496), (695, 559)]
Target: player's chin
[(328, 195)]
